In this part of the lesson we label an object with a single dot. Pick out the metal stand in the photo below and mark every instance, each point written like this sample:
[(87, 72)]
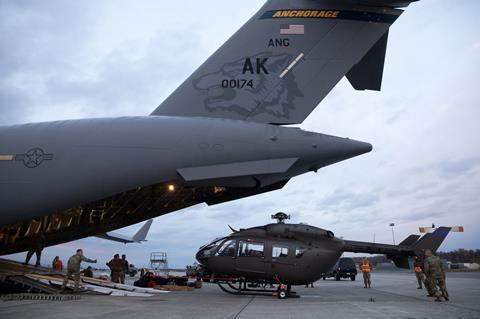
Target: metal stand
[(159, 262)]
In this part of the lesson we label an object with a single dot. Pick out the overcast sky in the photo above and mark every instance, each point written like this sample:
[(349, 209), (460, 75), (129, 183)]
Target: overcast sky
[(79, 59)]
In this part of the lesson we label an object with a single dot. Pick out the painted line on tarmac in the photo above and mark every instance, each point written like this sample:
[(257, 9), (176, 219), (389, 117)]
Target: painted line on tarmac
[(244, 307), (447, 303)]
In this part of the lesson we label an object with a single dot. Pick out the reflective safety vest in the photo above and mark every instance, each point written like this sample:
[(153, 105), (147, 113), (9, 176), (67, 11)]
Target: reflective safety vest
[(418, 269), (366, 267)]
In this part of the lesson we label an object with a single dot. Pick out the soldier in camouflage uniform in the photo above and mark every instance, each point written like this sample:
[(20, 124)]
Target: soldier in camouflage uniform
[(436, 275), (116, 268), (427, 280), (73, 268)]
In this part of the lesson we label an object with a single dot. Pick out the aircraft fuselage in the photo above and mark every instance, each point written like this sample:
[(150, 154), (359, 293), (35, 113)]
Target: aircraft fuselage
[(52, 167), (80, 161)]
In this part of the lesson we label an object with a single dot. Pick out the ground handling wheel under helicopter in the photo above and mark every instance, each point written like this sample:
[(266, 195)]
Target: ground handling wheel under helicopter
[(250, 288)]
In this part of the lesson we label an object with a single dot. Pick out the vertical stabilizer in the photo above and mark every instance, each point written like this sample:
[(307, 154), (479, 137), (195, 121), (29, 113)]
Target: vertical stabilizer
[(281, 64), (432, 240), (141, 234)]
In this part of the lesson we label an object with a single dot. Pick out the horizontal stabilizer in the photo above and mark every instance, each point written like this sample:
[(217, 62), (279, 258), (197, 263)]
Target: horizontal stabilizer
[(272, 166), (367, 74)]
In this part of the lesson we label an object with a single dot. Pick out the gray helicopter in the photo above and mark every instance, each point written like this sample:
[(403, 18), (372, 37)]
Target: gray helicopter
[(292, 254)]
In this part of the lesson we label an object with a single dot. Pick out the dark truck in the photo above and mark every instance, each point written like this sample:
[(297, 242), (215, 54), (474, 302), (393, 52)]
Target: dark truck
[(132, 270), (344, 268)]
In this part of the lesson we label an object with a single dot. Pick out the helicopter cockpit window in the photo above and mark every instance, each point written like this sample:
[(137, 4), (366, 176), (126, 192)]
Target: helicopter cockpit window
[(299, 252), (227, 249), (250, 249), (207, 250), (279, 251)]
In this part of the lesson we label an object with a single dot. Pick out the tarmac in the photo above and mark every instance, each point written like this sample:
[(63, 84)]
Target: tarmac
[(394, 294)]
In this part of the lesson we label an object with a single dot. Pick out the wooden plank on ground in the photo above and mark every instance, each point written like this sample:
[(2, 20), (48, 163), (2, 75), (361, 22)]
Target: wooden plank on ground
[(174, 288)]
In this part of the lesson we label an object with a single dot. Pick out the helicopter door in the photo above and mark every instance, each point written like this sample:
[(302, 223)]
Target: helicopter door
[(225, 256), (280, 262), (251, 257)]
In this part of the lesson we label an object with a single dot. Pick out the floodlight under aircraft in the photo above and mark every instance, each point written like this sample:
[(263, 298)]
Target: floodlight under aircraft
[(219, 136)]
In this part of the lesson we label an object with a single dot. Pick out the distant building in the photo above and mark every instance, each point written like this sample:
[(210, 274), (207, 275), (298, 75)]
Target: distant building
[(469, 266)]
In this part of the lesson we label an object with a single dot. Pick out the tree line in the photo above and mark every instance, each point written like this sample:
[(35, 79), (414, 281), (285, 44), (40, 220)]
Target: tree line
[(461, 256), (456, 256)]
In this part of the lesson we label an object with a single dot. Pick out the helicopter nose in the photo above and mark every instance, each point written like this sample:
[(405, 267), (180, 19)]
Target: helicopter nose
[(202, 255)]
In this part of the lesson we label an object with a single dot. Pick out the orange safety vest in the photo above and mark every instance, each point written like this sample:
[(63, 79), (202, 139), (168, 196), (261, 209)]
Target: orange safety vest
[(418, 269), (366, 267)]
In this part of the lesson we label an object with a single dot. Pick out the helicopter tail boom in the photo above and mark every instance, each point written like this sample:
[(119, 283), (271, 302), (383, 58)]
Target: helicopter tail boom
[(413, 245)]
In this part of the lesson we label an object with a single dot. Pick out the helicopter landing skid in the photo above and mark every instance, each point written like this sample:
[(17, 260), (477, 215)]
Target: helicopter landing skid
[(243, 290)]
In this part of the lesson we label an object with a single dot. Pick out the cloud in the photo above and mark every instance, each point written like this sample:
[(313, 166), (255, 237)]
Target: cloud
[(344, 200)]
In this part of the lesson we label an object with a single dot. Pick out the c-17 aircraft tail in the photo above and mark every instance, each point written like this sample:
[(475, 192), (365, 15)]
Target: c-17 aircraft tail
[(281, 64), (413, 245)]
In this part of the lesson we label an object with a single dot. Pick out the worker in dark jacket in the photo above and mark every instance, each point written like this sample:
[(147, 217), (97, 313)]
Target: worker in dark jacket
[(87, 272), (38, 243), (125, 269)]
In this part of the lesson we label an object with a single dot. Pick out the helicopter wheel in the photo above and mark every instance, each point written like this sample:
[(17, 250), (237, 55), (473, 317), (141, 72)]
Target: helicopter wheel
[(282, 294)]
